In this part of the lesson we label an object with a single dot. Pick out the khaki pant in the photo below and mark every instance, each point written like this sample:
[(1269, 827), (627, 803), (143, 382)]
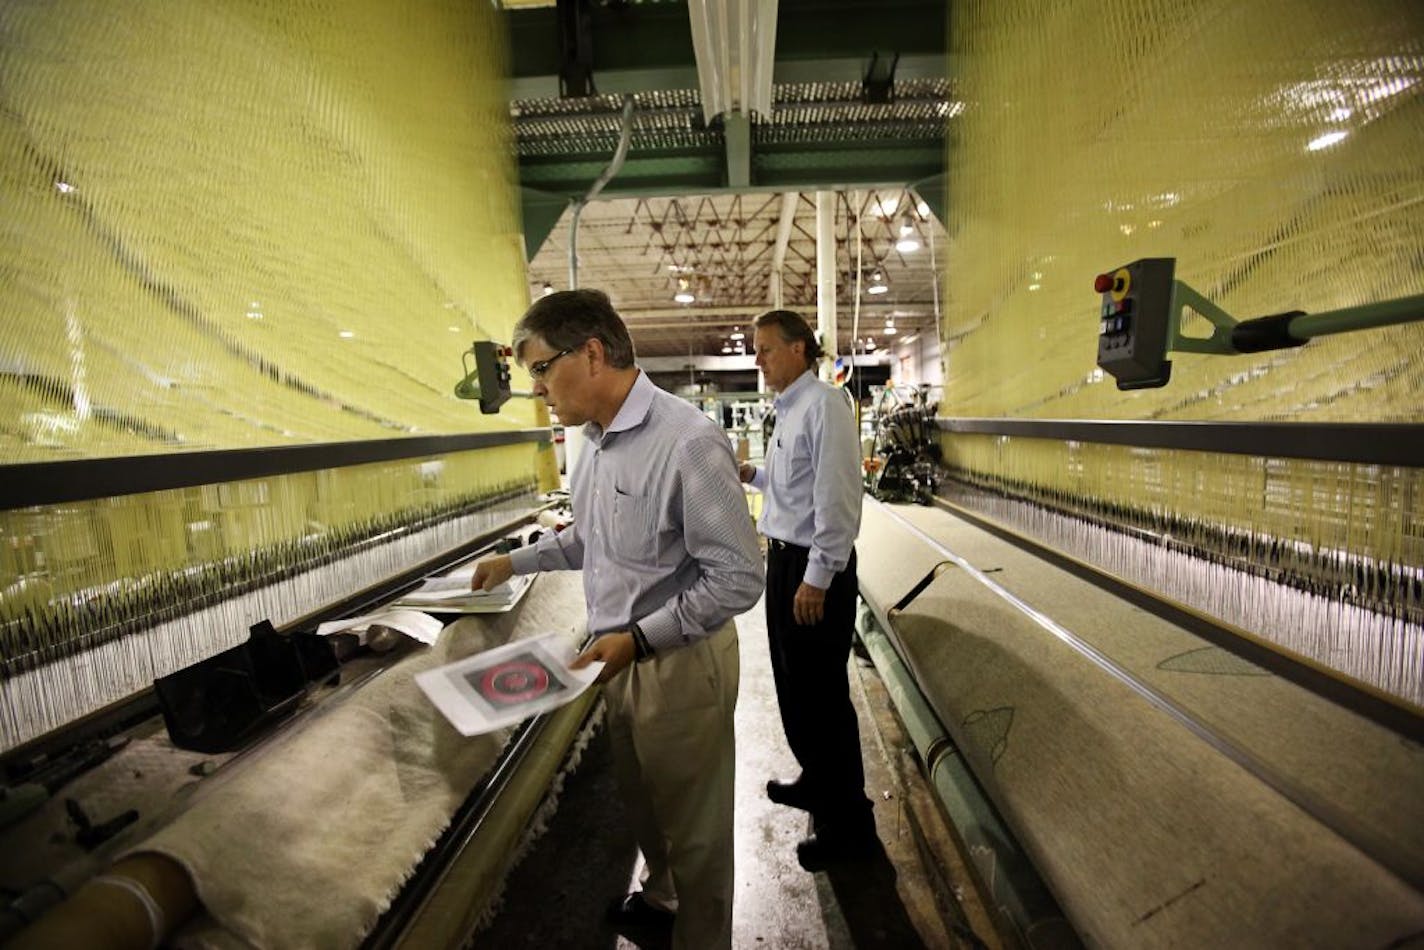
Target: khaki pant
[(670, 721)]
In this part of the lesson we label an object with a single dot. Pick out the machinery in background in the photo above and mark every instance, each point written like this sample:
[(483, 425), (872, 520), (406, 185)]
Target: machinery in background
[(489, 380), (1141, 316), (904, 451)]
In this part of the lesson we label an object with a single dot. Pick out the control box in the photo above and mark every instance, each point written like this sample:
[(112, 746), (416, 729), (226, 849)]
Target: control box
[(1135, 322), (492, 372)]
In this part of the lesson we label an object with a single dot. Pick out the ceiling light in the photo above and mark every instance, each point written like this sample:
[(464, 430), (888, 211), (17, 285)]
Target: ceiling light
[(63, 187), (890, 330), (877, 282), (684, 293), (1034, 286), (907, 245), (1326, 140), (739, 336), (886, 206), (870, 344), (923, 209), (346, 334), (548, 288), (454, 329), (254, 314), (726, 348)]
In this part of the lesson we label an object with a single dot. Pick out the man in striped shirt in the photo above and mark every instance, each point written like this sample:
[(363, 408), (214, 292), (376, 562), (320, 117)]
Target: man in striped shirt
[(669, 556)]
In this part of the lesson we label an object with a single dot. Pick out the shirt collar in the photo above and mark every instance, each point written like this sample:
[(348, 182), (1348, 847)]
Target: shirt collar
[(788, 396), (631, 414)]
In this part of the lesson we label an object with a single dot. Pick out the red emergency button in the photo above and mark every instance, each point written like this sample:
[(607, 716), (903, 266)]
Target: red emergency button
[(1103, 283)]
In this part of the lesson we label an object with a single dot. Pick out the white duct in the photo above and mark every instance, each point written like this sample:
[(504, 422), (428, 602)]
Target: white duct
[(826, 278), (783, 237), (735, 43)]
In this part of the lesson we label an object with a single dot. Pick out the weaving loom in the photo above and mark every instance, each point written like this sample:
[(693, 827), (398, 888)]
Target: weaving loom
[(246, 245)]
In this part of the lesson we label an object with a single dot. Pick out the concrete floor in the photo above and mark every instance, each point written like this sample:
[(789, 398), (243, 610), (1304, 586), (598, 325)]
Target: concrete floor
[(916, 896)]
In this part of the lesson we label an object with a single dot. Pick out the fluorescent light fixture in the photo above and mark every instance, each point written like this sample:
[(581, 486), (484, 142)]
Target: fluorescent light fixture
[(1326, 140), (734, 44)]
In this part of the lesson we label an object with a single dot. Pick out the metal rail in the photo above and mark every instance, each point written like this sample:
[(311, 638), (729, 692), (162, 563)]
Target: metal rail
[(47, 483), (1382, 443)]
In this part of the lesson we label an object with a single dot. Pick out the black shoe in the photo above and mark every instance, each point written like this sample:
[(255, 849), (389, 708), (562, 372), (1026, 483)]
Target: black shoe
[(790, 794), (636, 911), (823, 850)]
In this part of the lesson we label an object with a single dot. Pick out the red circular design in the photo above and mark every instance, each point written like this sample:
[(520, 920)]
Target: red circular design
[(517, 681)]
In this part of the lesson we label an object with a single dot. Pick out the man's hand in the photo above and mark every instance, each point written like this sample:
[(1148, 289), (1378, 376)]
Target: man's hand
[(491, 572), (616, 650), (746, 471), (809, 606)]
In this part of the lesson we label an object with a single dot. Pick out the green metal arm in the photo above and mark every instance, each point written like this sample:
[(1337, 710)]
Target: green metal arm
[(1301, 328)]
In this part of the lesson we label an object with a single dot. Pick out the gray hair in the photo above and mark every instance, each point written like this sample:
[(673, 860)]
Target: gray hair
[(570, 318), (793, 327)]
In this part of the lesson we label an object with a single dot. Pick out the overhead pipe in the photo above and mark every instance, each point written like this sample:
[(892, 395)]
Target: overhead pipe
[(625, 136)]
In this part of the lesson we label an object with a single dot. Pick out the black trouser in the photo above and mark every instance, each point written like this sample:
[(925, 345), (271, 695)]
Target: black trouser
[(809, 664)]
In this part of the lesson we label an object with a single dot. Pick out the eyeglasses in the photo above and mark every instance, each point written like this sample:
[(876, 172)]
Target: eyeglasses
[(537, 370)]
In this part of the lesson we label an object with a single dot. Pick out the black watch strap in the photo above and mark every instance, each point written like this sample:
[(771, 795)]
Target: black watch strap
[(641, 650)]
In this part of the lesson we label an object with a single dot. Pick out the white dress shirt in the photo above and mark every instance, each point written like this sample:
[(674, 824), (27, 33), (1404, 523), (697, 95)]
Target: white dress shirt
[(812, 479), (661, 527)]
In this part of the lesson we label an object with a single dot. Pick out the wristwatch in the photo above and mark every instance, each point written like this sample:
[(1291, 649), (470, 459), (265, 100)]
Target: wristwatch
[(640, 644)]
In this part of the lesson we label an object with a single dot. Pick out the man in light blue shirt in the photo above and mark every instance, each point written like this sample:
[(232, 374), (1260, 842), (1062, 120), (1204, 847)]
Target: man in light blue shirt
[(810, 518), (669, 556)]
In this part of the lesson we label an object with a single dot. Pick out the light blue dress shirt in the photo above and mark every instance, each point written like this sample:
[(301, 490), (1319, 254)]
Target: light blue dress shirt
[(812, 476), (661, 527)]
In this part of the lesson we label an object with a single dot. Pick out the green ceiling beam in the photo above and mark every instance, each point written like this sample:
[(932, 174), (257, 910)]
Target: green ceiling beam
[(737, 132), (648, 46), (541, 210)]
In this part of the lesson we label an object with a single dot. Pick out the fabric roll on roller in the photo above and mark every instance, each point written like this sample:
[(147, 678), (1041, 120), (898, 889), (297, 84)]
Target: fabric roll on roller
[(306, 839), (1167, 791)]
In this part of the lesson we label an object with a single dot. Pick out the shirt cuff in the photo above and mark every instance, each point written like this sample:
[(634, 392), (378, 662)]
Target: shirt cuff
[(524, 560), (662, 631), (817, 575)]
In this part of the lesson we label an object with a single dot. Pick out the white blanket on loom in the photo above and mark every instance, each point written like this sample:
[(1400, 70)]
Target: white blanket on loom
[(305, 841)]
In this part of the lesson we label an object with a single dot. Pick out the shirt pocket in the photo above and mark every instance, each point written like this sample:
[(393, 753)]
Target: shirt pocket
[(634, 532), (792, 458)]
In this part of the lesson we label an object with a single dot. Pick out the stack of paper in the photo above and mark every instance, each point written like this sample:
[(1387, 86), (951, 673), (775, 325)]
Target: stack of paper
[(451, 593)]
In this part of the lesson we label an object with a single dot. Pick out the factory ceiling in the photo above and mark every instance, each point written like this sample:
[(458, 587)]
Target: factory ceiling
[(703, 218)]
